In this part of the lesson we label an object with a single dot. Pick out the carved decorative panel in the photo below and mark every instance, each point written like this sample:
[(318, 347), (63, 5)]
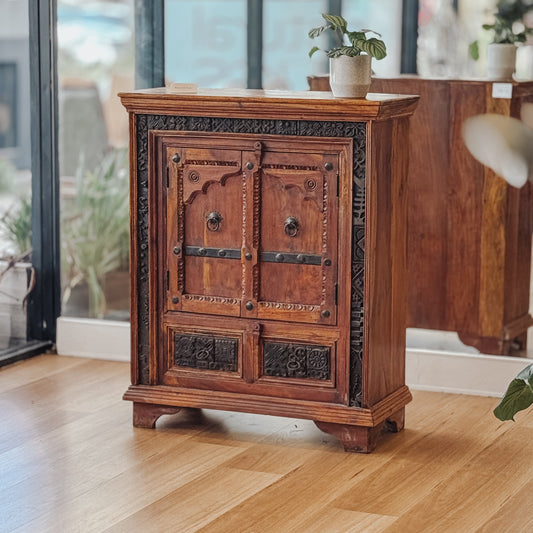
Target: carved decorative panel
[(304, 361), (205, 352)]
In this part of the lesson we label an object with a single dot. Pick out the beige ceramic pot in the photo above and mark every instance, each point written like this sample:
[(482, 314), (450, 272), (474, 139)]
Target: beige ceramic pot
[(350, 77), (501, 61)]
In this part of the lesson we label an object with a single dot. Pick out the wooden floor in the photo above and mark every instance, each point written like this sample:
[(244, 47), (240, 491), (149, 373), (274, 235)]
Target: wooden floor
[(70, 461)]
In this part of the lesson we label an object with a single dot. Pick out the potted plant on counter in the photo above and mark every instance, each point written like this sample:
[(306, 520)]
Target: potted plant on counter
[(350, 63), (508, 30)]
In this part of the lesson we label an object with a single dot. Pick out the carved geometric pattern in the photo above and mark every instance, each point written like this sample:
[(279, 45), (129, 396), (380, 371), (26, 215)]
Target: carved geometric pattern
[(288, 167), (288, 307), (353, 130), (211, 299), (303, 361), (211, 162), (206, 353)]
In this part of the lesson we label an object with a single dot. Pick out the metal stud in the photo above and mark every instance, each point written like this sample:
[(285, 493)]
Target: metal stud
[(176, 158), (328, 166), (249, 165)]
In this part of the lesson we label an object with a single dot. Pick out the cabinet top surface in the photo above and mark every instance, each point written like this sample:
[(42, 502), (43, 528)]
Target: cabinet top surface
[(256, 103)]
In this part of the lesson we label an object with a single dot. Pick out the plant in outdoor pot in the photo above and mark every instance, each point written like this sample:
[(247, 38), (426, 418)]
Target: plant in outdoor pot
[(17, 275), (508, 30), (350, 65)]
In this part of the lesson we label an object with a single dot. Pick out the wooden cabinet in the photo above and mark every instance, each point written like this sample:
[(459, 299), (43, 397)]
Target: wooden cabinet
[(268, 257), (469, 234)]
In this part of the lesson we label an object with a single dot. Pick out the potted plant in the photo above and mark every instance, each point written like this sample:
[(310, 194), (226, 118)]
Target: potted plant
[(16, 272), (350, 64), (508, 30)]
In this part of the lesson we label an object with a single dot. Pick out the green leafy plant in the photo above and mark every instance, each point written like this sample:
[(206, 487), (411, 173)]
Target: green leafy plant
[(15, 226), (95, 229), (519, 395), (509, 14), (358, 41)]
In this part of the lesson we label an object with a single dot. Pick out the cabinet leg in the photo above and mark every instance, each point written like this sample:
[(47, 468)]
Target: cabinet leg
[(354, 438), (145, 415), (360, 438), (494, 345), (396, 421)]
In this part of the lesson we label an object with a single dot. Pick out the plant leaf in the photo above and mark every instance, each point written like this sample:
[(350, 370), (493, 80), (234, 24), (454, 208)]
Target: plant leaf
[(373, 47), (313, 50), (336, 21), (315, 32), (519, 395), (338, 51), (526, 374), (473, 50), (371, 31), (356, 36)]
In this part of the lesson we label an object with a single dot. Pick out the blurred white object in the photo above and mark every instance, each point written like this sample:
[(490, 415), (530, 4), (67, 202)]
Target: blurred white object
[(502, 143)]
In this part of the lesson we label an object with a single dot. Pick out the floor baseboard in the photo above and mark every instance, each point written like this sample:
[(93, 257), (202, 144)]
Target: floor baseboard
[(435, 360)]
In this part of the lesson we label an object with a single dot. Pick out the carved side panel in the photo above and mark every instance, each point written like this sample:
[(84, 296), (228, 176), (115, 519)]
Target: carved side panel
[(206, 353), (354, 130), (302, 361)]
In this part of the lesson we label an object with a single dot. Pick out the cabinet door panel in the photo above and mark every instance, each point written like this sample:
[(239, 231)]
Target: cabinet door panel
[(298, 244), (206, 275)]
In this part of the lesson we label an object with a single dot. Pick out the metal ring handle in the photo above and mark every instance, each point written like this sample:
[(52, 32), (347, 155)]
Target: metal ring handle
[(292, 226), (213, 221)]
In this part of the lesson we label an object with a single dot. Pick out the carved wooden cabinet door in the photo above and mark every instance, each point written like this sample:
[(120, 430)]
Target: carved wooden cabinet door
[(247, 231), (204, 211), (297, 236)]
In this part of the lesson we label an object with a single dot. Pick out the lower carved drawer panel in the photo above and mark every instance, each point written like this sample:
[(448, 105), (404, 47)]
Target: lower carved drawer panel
[(206, 352), (263, 358), (302, 361)]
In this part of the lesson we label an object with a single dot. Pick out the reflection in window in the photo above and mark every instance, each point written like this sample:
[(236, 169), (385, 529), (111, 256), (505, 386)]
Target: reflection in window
[(385, 17), (286, 45), (205, 42), (15, 174), (95, 62)]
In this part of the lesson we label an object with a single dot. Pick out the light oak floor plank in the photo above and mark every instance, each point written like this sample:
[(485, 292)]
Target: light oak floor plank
[(71, 461)]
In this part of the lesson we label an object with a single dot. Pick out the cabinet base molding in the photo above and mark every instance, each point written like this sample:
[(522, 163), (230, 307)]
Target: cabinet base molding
[(357, 428)]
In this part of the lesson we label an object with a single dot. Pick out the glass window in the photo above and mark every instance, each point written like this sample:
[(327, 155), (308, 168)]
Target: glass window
[(205, 42), (95, 62), (385, 17), (15, 173), (286, 46)]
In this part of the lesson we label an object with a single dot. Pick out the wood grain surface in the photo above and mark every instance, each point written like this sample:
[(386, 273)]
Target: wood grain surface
[(70, 460)]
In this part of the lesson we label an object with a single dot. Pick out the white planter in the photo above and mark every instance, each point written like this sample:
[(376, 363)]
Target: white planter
[(501, 61), (350, 77), (13, 288)]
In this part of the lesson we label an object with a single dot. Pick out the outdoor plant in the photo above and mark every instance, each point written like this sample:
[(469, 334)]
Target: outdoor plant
[(96, 228), (15, 227), (508, 16), (351, 43)]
